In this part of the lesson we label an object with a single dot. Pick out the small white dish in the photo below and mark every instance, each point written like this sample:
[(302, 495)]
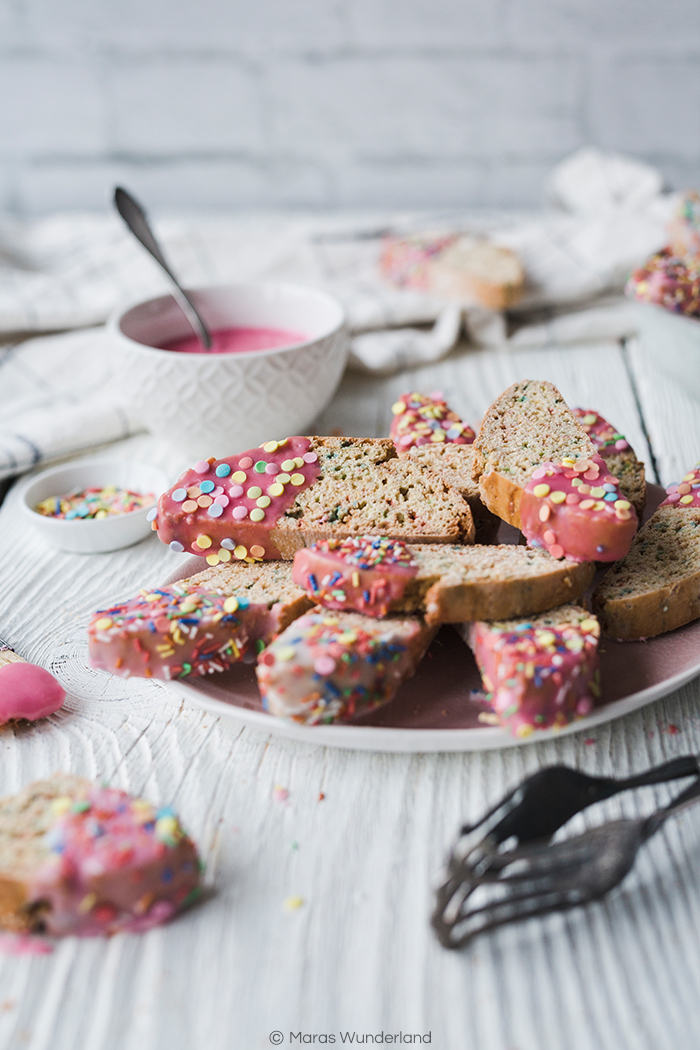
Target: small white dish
[(213, 404), (93, 535)]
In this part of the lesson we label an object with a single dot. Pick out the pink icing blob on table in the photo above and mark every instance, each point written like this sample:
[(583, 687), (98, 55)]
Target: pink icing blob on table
[(27, 691), (238, 341)]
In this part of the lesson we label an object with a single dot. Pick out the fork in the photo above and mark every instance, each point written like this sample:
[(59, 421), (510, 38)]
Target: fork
[(544, 802), (538, 879)]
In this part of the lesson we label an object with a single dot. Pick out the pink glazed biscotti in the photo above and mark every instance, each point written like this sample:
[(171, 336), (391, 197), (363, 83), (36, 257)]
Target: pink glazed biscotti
[(330, 666), (76, 858), (539, 673), (198, 626), (267, 503), (539, 471)]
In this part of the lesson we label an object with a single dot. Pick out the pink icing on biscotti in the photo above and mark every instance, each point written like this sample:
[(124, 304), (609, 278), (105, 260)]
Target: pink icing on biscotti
[(686, 493), (420, 420), (669, 281), (362, 573), (606, 440), (223, 509), (171, 632), (574, 509), (328, 667), (113, 863), (27, 691), (537, 677)]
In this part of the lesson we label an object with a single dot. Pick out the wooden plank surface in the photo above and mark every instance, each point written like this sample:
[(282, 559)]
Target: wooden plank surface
[(359, 955)]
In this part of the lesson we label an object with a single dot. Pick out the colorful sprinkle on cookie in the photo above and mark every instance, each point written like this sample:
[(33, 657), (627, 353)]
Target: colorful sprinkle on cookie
[(420, 420)]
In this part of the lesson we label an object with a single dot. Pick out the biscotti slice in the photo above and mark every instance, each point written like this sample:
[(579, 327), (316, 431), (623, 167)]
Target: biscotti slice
[(427, 429), (539, 470), (656, 588), (330, 666), (471, 269), (269, 502), (455, 465), (200, 625), (446, 584), (76, 858), (618, 454), (420, 419), (539, 673)]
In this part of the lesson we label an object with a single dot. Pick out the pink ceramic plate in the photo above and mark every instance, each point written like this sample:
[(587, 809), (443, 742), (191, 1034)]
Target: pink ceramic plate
[(438, 709)]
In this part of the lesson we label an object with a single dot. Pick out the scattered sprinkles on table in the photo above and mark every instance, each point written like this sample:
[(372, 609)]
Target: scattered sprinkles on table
[(94, 503), (326, 668), (575, 510), (687, 492), (227, 509), (538, 676), (364, 573), (607, 440), (169, 633), (668, 281), (113, 862), (421, 420)]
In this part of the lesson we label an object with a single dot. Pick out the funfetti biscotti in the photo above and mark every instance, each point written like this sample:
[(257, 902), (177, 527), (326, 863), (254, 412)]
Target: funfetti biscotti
[(198, 626), (331, 666), (76, 858), (445, 584), (539, 470), (618, 454), (538, 673), (656, 587), (457, 266), (266, 503), (426, 419), (426, 428), (455, 465)]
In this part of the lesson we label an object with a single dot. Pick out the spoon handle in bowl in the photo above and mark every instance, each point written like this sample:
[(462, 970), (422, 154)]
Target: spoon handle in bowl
[(134, 216)]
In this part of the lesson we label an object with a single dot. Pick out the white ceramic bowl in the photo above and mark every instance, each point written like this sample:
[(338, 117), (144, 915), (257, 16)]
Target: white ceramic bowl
[(216, 404), (93, 536), (671, 343)]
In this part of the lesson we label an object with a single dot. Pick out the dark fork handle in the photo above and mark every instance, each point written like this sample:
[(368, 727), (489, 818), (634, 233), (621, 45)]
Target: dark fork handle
[(545, 820)]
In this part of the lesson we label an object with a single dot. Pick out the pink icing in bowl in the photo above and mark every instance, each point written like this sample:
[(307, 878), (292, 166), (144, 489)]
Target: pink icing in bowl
[(212, 404), (237, 341)]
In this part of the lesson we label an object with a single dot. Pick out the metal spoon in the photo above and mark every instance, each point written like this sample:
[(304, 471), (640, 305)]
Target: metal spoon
[(135, 218)]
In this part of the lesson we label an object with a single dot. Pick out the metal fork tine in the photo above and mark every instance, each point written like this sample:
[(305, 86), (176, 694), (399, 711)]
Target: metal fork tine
[(451, 933)]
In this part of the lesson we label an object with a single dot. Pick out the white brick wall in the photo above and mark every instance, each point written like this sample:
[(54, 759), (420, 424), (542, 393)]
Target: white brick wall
[(237, 103)]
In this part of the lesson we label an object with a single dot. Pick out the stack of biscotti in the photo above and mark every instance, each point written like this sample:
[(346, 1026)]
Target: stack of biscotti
[(656, 587), (427, 429), (541, 672), (267, 503), (539, 470), (618, 454), (198, 626), (446, 584)]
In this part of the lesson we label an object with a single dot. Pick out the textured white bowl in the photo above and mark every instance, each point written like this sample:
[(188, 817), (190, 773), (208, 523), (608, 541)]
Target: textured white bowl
[(671, 343), (215, 404), (93, 536)]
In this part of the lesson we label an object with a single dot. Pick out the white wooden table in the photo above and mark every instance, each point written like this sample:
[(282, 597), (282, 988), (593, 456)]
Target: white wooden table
[(358, 955)]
